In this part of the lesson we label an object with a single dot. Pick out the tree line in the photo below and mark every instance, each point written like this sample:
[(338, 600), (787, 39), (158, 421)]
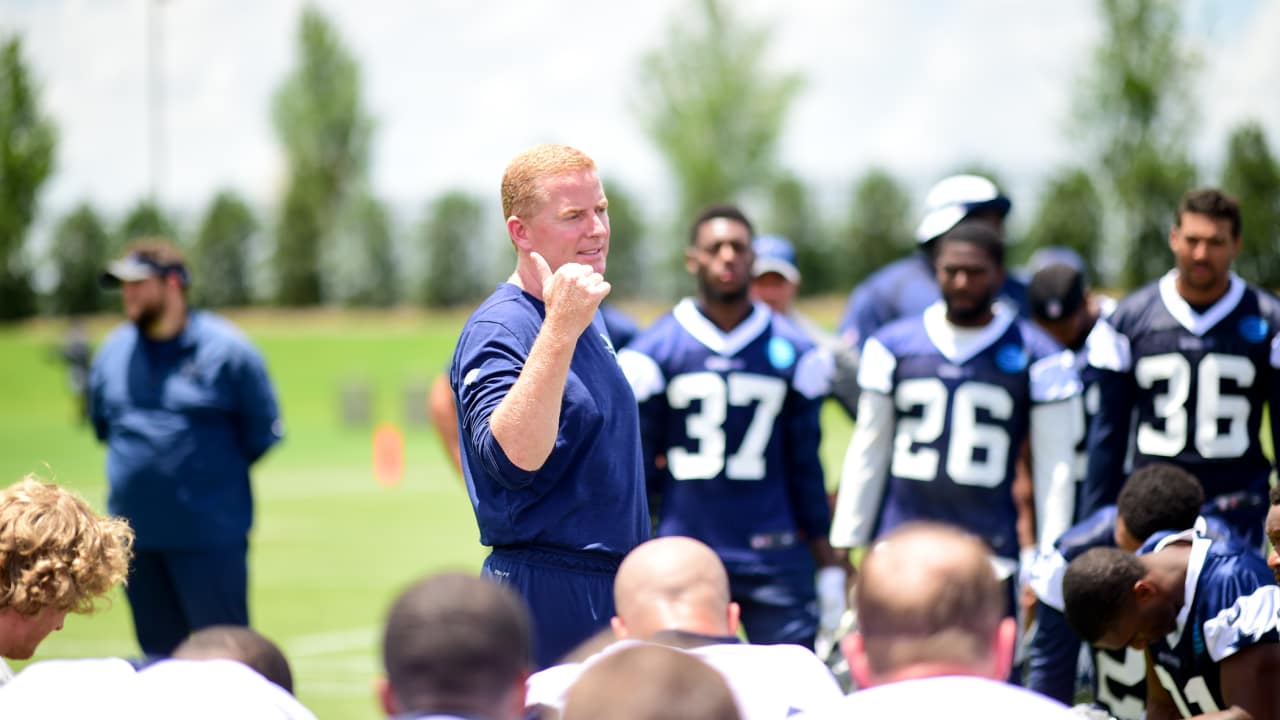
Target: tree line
[(713, 108)]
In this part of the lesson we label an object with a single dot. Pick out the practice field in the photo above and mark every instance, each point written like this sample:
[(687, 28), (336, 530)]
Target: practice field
[(331, 547)]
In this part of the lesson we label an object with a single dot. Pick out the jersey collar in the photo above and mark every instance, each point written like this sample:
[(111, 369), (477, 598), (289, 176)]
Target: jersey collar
[(1196, 323), (959, 345), (1195, 563), (721, 343)]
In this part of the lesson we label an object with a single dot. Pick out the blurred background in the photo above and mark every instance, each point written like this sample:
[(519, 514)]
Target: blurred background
[(332, 169)]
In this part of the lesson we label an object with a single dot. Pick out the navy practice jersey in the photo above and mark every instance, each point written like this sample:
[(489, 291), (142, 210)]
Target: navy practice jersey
[(736, 417), (1234, 605), (1192, 387), (1091, 393), (962, 403), (588, 497), (901, 289)]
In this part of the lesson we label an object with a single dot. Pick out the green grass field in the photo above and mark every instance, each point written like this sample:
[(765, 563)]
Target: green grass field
[(330, 546)]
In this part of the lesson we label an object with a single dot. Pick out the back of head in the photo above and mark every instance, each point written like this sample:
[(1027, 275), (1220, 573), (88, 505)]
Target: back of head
[(1213, 203), (927, 594), (1055, 292), (456, 643), (55, 552), (672, 583), (956, 197), (242, 644), (522, 191), (650, 682), (1096, 587), (1159, 496)]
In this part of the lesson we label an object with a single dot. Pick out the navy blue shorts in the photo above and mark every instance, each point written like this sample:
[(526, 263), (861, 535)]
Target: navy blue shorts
[(173, 593), (778, 607), (570, 597)]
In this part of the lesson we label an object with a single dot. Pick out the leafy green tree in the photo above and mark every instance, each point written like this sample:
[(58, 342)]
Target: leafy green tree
[(27, 142), (146, 219), (325, 133), (627, 267), (453, 228), (880, 228), (1135, 112), (1070, 215), (81, 246), (1253, 176), (221, 255), (714, 105), (792, 215), (366, 272)]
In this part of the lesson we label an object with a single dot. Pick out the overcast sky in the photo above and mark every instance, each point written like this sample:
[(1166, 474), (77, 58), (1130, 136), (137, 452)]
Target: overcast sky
[(458, 87)]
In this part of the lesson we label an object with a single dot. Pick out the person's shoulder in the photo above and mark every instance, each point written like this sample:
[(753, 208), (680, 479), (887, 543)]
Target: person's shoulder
[(1268, 304), (1038, 342), (791, 330), (213, 333), (902, 332), (509, 307), (891, 276), (1136, 305), (121, 337), (1096, 530)]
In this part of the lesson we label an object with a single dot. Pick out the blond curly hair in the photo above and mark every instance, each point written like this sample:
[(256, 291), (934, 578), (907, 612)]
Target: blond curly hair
[(55, 552)]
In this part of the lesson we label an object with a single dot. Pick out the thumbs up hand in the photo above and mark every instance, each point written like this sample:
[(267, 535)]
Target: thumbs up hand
[(572, 293)]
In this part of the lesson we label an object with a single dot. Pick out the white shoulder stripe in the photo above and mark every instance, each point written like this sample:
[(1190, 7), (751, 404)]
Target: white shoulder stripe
[(875, 372), (642, 373), (1244, 623), (1054, 378), (1107, 348), (814, 373)]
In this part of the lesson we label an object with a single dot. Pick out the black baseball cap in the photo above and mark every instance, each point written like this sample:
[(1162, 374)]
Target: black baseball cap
[(1056, 291)]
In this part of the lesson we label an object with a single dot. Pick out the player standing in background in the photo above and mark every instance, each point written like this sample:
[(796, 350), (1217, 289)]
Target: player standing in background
[(947, 399), (548, 427), (906, 287), (729, 396), (1204, 610), (1061, 304), (1191, 360)]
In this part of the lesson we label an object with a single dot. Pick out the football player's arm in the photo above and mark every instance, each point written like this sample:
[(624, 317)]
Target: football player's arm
[(258, 412), (1107, 440), (97, 409), (1051, 461), (1273, 401), (806, 486), (443, 412), (1052, 655), (866, 462), (1248, 683)]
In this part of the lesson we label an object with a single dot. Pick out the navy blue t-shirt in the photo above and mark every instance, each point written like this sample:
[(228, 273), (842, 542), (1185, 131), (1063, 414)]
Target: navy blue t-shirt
[(589, 496), (183, 419), (736, 417), (1190, 388)]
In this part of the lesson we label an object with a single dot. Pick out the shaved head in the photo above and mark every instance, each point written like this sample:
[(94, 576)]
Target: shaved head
[(672, 583), (928, 593)]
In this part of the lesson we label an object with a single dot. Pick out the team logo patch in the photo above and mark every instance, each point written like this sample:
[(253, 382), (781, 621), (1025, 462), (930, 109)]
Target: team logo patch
[(1254, 328), (782, 354), (1011, 358)]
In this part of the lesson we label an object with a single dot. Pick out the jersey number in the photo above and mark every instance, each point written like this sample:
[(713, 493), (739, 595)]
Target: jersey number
[(706, 426), (968, 436), (1128, 674), (1196, 691), (1212, 405)]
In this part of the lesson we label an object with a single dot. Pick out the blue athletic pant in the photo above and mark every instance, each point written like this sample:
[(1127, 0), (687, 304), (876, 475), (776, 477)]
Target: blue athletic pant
[(779, 607), (173, 593), (570, 597)]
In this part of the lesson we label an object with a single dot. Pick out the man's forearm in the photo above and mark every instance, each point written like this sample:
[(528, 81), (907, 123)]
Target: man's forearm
[(525, 423)]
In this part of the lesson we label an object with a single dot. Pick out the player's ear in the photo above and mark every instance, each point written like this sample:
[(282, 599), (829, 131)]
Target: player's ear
[(619, 628), (386, 697), (1005, 641), (1144, 589), (691, 259), (734, 617), (855, 652)]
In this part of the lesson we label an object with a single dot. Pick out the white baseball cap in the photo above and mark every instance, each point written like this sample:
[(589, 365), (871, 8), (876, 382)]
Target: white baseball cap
[(953, 198)]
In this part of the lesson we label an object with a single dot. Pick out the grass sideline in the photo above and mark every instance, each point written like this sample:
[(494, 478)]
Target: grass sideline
[(330, 547)]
